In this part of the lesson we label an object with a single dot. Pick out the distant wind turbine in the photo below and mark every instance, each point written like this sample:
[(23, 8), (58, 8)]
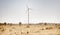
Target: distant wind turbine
[(28, 9)]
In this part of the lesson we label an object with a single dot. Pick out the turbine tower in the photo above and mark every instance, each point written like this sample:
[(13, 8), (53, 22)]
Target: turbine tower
[(28, 9), (28, 14)]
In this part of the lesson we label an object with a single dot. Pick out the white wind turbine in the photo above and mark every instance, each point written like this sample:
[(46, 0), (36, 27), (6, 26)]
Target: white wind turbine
[(28, 15), (28, 10)]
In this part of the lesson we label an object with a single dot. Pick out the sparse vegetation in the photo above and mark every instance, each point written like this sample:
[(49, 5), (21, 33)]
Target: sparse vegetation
[(45, 23), (19, 23), (49, 28), (33, 29), (27, 26), (4, 23)]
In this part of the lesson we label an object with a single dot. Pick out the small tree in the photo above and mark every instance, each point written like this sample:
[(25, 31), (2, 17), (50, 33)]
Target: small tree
[(4, 23), (45, 23), (19, 23)]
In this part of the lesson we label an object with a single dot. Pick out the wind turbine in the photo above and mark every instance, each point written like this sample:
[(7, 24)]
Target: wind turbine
[(28, 10)]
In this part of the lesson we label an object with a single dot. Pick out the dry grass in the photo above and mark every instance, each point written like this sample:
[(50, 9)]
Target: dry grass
[(31, 29)]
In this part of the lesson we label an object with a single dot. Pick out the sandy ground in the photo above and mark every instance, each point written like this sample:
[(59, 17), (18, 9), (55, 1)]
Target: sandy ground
[(31, 29)]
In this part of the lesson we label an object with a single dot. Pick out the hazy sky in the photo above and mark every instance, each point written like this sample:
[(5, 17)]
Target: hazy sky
[(42, 11)]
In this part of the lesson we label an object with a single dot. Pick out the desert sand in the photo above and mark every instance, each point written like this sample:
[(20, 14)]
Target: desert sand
[(30, 29)]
